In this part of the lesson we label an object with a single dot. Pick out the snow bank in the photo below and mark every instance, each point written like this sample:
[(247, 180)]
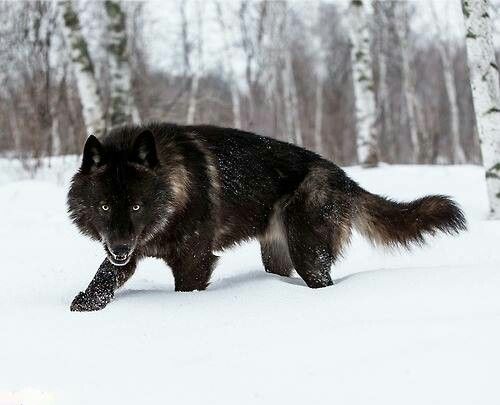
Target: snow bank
[(396, 328)]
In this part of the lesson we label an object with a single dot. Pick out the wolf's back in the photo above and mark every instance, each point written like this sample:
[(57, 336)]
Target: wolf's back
[(401, 224)]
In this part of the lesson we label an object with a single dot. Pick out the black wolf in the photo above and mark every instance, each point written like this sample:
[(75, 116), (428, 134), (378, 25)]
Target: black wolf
[(181, 193)]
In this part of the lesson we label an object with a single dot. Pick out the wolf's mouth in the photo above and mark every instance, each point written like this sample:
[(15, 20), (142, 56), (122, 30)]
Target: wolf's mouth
[(118, 259)]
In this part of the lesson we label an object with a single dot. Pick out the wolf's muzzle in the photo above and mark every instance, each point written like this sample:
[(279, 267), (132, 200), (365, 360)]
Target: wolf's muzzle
[(119, 254)]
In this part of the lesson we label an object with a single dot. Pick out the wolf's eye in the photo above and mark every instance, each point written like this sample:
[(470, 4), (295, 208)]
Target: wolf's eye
[(105, 207), (136, 207)]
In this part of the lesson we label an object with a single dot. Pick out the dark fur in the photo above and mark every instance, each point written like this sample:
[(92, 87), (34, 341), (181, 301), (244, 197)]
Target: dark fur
[(202, 189)]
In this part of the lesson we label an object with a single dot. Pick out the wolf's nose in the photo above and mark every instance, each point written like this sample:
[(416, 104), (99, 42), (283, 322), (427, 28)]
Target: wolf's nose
[(120, 252)]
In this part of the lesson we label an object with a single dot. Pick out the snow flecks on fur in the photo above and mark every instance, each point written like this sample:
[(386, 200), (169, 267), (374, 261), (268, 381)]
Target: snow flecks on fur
[(214, 185)]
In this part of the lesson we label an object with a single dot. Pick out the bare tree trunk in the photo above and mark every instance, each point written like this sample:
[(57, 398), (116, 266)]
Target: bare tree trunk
[(122, 109), (195, 75), (229, 57), (318, 117), (248, 47), (409, 91), (483, 71), (384, 101), (193, 97), (321, 72), (457, 152), (287, 104), (52, 100), (367, 137), (294, 101), (14, 128), (252, 44), (83, 68), (235, 97), (273, 64), (55, 138), (280, 54)]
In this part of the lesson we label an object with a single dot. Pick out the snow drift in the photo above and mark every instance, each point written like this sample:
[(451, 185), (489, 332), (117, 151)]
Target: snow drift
[(397, 327)]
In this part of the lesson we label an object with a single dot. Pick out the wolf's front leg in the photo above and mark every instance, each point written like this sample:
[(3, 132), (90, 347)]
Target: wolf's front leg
[(192, 269), (101, 289)]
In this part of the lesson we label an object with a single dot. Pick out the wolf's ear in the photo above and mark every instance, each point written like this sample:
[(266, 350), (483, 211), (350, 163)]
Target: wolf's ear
[(144, 150), (93, 155)]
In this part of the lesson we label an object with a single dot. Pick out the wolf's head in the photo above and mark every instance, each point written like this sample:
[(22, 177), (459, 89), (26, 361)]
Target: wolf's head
[(118, 196)]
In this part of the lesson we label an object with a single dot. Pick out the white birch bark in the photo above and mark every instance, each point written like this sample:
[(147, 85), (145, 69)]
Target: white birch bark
[(483, 71), (16, 134), (229, 60), (235, 97), (287, 104), (311, 16), (55, 138), (269, 58), (271, 61), (193, 97), (281, 54), (457, 152), (409, 92), (196, 73), (364, 94), (384, 101), (253, 18), (294, 101), (122, 107), (55, 133), (318, 117), (320, 73), (83, 68)]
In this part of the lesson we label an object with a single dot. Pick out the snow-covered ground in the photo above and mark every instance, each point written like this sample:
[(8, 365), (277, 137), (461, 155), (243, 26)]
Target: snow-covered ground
[(396, 328)]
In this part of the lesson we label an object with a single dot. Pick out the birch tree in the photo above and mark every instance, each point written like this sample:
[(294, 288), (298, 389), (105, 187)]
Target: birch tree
[(229, 61), (122, 107), (483, 71), (287, 100), (457, 152), (196, 68), (92, 110), (383, 96), (409, 91), (364, 93), (312, 15), (284, 44), (293, 102), (41, 33), (252, 22), (273, 61), (445, 53)]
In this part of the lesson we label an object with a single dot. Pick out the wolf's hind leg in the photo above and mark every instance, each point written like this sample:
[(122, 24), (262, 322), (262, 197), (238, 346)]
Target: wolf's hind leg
[(276, 257), (316, 236), (311, 256), (274, 244), (318, 221)]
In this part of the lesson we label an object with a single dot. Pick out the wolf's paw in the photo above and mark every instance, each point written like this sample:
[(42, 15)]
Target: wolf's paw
[(90, 302)]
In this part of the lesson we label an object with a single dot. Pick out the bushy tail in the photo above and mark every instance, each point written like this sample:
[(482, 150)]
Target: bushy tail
[(395, 224)]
